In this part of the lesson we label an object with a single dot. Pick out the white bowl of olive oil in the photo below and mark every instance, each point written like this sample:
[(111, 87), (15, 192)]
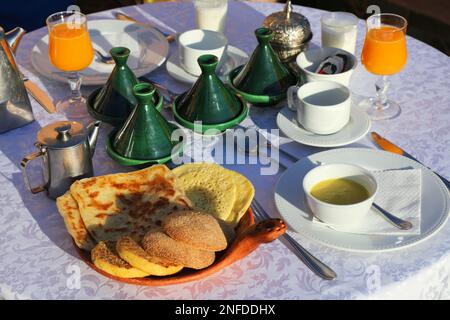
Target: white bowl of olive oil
[(339, 193)]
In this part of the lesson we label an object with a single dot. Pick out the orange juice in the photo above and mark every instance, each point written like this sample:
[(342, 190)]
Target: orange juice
[(384, 51), (70, 47)]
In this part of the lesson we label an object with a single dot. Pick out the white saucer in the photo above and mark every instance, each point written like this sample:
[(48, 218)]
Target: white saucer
[(357, 127), (149, 49), (289, 200), (235, 57)]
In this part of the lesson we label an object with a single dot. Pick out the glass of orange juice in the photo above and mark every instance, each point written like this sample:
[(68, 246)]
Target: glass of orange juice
[(384, 53), (70, 50)]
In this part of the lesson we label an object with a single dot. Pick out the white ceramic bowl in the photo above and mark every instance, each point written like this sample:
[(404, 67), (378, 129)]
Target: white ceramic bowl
[(309, 60), (344, 215), (194, 43)]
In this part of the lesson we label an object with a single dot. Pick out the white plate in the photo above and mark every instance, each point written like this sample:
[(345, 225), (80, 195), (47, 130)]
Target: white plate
[(235, 57), (357, 127), (289, 200), (149, 49)]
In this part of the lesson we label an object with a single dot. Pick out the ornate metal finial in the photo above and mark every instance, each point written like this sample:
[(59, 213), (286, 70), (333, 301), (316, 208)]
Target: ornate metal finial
[(288, 9)]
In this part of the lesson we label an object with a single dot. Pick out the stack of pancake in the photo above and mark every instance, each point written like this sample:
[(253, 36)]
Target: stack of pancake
[(156, 221)]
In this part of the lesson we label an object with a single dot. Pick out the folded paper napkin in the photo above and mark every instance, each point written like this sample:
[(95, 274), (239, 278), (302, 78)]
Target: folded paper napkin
[(399, 193)]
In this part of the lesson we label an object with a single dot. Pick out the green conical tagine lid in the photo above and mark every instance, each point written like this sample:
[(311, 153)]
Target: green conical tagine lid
[(209, 100), (264, 74), (145, 135), (116, 100)]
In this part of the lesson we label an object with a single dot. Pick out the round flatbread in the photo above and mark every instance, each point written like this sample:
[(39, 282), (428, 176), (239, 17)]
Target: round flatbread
[(244, 197), (208, 187), (130, 251), (105, 257), (197, 229), (158, 244)]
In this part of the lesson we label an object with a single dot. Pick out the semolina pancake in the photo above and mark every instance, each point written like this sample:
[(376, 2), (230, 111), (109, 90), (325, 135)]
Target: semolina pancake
[(197, 229), (158, 244), (208, 187), (105, 257), (191, 176), (116, 205), (244, 197), (68, 209), (130, 251)]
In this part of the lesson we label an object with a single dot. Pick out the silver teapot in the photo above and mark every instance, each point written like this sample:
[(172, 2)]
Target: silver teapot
[(15, 107), (66, 149)]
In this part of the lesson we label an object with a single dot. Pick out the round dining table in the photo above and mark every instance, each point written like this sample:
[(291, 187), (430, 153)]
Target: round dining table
[(37, 256)]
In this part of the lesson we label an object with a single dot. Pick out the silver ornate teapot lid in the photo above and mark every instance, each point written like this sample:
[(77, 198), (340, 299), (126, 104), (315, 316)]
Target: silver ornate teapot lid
[(290, 29), (62, 134)]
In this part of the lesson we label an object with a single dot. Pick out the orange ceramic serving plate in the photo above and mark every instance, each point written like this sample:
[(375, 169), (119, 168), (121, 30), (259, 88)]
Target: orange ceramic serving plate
[(248, 237)]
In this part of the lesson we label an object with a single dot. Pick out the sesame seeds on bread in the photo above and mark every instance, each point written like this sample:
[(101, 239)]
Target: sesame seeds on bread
[(158, 244), (197, 229)]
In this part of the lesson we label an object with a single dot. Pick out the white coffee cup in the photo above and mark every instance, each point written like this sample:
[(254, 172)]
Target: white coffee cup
[(323, 107), (194, 43), (308, 61)]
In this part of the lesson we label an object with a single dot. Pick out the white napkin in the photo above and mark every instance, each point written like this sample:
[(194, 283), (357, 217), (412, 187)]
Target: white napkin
[(399, 193)]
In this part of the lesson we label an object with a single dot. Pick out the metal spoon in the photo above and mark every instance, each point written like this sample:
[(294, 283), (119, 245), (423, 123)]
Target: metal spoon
[(104, 58), (395, 221)]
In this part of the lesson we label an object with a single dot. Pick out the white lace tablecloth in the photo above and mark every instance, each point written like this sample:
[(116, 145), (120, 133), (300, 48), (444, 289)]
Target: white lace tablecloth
[(37, 258)]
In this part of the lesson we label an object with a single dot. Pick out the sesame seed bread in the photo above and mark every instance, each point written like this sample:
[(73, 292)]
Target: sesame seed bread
[(197, 229), (158, 244)]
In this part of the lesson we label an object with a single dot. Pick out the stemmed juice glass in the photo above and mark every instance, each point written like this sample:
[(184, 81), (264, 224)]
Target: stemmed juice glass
[(384, 53), (70, 50)]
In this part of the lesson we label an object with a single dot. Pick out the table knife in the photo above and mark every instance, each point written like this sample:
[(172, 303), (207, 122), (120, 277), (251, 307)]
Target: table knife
[(121, 16), (389, 146), (39, 95)]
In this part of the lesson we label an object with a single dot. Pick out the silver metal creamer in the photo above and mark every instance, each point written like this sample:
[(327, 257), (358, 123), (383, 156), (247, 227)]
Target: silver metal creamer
[(66, 148), (15, 107)]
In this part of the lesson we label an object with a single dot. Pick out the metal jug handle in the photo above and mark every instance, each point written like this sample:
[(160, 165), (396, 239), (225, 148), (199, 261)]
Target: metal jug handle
[(23, 167)]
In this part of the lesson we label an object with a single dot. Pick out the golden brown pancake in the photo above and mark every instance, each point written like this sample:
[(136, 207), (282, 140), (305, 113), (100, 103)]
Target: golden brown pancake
[(197, 229), (116, 205), (68, 209), (131, 252), (105, 257)]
